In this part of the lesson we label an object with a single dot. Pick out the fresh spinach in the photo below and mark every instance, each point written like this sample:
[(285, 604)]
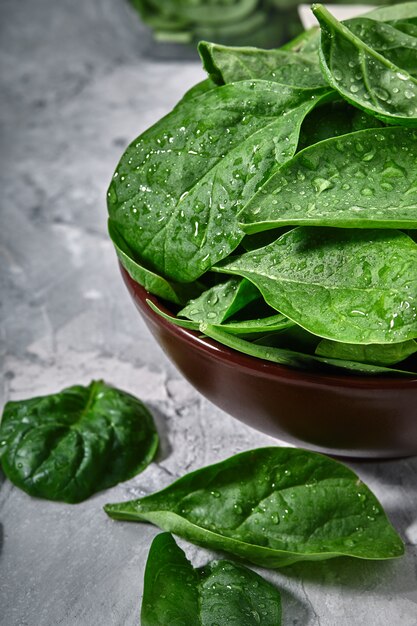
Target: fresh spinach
[(364, 179), (362, 283), (274, 348), (221, 592), (263, 146), (379, 354), (178, 293), (254, 327), (273, 507), (230, 64), (332, 120), (176, 191), (221, 301), (71, 444), (371, 64)]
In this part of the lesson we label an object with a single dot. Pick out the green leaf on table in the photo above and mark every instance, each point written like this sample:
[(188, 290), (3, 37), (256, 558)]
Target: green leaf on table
[(68, 445), (365, 179), (371, 64), (378, 354), (221, 301), (178, 187), (178, 293), (272, 506), (221, 592), (355, 286), (226, 64)]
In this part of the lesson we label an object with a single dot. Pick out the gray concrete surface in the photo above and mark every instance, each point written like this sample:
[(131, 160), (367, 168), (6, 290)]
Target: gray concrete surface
[(77, 85)]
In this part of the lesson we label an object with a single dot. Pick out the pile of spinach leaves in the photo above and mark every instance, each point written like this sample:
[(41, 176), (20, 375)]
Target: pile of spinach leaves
[(275, 207)]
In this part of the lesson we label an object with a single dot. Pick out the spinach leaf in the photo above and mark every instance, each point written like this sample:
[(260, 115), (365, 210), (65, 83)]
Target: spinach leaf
[(385, 354), (68, 445), (272, 506), (178, 187), (178, 293), (221, 592), (274, 347), (221, 301), (369, 64), (354, 286), (198, 90), (364, 179), (332, 120), (257, 326), (170, 593), (236, 327), (230, 64)]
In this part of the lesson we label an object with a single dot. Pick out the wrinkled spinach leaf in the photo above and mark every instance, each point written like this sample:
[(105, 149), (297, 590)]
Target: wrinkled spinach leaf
[(364, 179), (221, 592), (71, 444), (371, 64), (176, 191), (272, 506), (362, 284)]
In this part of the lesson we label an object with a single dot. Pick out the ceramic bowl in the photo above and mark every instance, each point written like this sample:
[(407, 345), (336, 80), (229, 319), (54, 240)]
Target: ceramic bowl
[(343, 415)]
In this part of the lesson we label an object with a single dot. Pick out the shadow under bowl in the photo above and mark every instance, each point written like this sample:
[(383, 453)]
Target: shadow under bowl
[(342, 415)]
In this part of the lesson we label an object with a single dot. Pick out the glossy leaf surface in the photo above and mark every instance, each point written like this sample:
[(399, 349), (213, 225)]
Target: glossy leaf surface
[(221, 592), (176, 191), (225, 64), (385, 354), (365, 179), (275, 347), (354, 286), (68, 445), (221, 301), (371, 64), (272, 506), (177, 293)]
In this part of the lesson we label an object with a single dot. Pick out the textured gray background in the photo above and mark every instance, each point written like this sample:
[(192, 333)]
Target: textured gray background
[(77, 86)]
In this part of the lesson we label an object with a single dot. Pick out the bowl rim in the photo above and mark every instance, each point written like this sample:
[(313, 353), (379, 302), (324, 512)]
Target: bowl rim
[(252, 364)]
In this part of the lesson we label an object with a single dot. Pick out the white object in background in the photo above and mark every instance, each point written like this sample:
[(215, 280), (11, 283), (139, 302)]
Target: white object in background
[(340, 11)]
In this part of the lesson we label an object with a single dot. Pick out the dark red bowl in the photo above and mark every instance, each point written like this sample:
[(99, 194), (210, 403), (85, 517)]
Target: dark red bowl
[(345, 415)]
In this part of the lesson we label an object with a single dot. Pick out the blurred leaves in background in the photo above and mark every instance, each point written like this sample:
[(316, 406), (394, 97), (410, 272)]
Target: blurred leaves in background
[(262, 23)]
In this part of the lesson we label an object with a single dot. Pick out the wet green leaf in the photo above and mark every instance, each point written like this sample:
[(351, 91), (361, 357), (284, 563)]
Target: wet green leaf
[(221, 592), (354, 286), (273, 507), (68, 445), (371, 64), (364, 179)]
